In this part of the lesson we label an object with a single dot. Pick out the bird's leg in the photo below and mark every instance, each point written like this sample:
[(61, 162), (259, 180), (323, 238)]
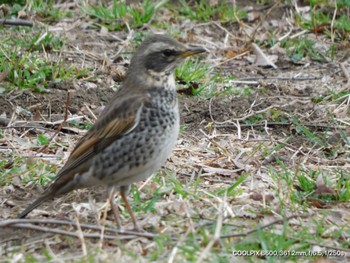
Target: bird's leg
[(123, 193), (114, 207)]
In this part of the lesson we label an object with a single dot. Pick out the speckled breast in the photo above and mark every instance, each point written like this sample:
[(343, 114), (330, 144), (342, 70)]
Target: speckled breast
[(141, 152)]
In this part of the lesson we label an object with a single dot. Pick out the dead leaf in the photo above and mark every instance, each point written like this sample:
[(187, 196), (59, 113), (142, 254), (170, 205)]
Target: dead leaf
[(189, 89), (260, 197), (103, 31), (322, 188), (118, 73), (317, 203), (22, 14), (4, 74), (230, 53), (253, 16), (5, 9), (220, 171), (261, 59)]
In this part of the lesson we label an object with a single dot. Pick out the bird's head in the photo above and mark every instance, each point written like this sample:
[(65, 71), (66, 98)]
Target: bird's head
[(159, 55)]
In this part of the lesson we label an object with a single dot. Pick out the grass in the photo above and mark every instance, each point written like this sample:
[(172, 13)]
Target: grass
[(193, 73), (23, 60), (301, 48), (204, 11), (249, 178), (31, 172), (321, 19), (312, 138), (45, 11), (189, 248), (119, 15)]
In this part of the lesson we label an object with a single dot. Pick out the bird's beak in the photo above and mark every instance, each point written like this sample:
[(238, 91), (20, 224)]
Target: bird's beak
[(192, 51)]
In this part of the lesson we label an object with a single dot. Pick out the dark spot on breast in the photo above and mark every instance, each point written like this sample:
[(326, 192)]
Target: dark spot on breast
[(154, 124)]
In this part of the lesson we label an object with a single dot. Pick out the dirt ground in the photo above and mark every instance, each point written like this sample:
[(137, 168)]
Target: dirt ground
[(219, 142)]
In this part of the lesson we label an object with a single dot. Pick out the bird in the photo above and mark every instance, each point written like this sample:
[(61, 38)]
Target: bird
[(134, 134)]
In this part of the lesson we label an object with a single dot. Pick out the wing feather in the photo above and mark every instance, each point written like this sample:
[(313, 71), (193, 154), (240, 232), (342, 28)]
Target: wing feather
[(117, 120)]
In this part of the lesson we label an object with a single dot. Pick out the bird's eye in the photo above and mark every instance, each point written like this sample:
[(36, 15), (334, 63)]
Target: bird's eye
[(168, 52)]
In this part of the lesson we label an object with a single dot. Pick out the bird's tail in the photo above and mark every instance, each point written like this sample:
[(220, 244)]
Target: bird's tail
[(58, 187), (35, 204)]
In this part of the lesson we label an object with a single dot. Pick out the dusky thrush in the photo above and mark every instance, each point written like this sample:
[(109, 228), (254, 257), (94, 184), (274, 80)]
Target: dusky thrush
[(136, 131)]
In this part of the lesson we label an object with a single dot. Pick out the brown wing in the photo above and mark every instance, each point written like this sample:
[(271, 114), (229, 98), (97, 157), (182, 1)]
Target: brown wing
[(119, 118)]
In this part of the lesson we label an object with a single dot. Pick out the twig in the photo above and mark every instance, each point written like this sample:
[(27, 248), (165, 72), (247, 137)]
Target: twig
[(210, 112), (26, 127), (81, 237), (215, 143), (46, 124), (315, 126), (248, 82), (277, 221), (90, 111), (346, 74), (252, 37), (27, 223), (59, 127), (16, 22), (277, 78), (246, 233), (299, 34), (216, 236), (212, 221), (333, 20), (252, 113), (220, 27), (67, 233), (255, 113), (229, 59), (321, 245)]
